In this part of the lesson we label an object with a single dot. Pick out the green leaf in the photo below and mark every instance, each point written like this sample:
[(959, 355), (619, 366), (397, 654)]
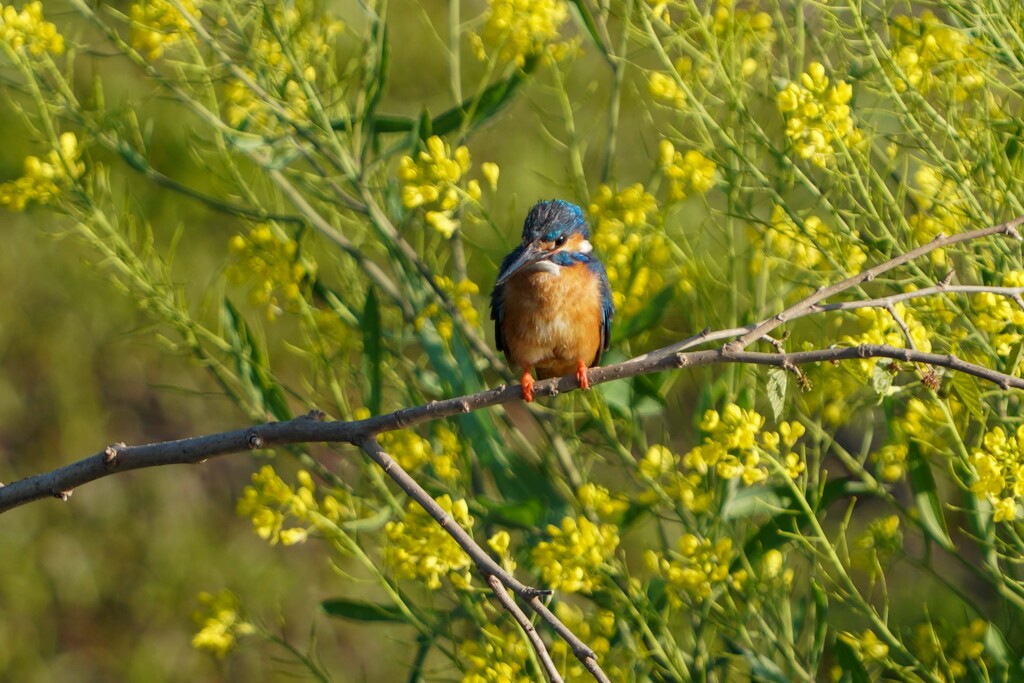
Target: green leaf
[(996, 648), (357, 610), (251, 364), (647, 318), (523, 514), (929, 506), (373, 351), (965, 387), (881, 379), (777, 381)]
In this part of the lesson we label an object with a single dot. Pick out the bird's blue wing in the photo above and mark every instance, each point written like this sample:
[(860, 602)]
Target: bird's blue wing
[(498, 293), (607, 306)]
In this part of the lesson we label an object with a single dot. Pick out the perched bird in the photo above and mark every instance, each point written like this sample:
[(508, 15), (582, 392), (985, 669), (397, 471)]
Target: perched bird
[(551, 305)]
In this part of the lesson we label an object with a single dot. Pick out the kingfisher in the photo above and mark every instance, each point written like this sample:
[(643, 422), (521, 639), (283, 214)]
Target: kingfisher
[(552, 305)]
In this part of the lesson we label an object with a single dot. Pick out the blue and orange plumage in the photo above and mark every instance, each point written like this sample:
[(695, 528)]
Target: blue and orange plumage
[(552, 305)]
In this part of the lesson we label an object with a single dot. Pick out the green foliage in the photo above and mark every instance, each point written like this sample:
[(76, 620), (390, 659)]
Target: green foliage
[(733, 158)]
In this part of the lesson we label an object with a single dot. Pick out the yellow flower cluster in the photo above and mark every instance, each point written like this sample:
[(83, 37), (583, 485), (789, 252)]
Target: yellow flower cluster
[(883, 536), (461, 294), (599, 499), (665, 88), (412, 451), (784, 244), (269, 502), (310, 34), (430, 183), (520, 29), (27, 28), (999, 472), (158, 25), (687, 173), (496, 656), (596, 631), (246, 111), (868, 647), (892, 461), (1000, 316), (633, 252), (942, 208), (932, 55), (660, 465), (219, 623), (271, 263), (43, 180), (949, 652), (575, 554), (818, 116), (699, 569), (418, 548), (730, 447), (879, 327), (741, 40)]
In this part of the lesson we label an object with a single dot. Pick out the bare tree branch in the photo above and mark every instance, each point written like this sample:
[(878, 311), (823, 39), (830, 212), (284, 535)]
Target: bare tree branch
[(362, 433)]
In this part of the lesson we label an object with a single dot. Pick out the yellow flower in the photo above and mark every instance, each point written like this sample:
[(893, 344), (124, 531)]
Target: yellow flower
[(496, 656), (633, 252), (418, 548), (698, 570), (43, 180), (818, 116), (931, 56), (220, 623), (519, 29), (157, 25), (273, 265), (28, 29), (575, 554)]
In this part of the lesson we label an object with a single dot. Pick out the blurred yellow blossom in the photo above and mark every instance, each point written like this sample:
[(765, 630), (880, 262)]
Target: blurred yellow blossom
[(158, 25), (730, 447), (932, 55), (948, 652), (784, 244), (220, 623), (634, 253), (271, 263), (599, 499), (519, 29), (282, 79), (818, 115), (44, 179), (418, 548), (575, 554), (879, 326), (496, 656), (27, 28), (687, 173), (1000, 316), (699, 569)]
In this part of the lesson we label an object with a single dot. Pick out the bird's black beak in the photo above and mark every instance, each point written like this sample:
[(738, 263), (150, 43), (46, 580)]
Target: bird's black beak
[(531, 254)]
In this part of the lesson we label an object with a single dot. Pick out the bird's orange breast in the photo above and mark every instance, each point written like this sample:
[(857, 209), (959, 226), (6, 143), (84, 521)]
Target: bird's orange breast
[(552, 321)]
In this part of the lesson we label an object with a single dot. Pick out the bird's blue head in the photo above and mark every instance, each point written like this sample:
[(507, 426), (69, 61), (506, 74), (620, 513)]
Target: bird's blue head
[(552, 230)]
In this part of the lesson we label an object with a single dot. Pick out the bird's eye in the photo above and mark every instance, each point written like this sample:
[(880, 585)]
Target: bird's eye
[(560, 240)]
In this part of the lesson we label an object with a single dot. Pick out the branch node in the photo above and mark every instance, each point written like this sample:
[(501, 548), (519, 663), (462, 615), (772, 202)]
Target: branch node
[(946, 281), (316, 415), (63, 495), (253, 441), (110, 452), (530, 592)]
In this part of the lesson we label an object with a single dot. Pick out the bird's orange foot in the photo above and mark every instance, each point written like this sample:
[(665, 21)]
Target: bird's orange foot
[(581, 375), (527, 387)]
